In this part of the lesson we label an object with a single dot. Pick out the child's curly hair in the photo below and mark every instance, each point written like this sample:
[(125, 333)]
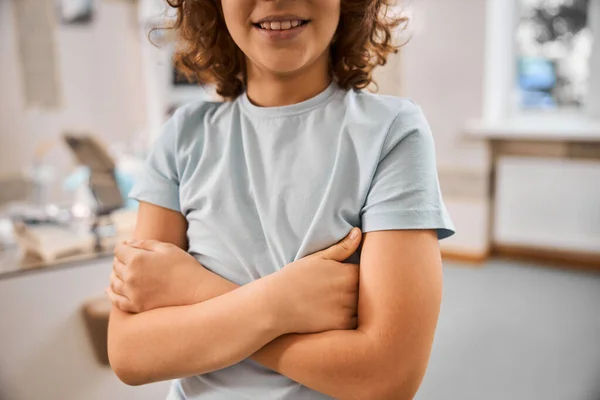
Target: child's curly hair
[(208, 55)]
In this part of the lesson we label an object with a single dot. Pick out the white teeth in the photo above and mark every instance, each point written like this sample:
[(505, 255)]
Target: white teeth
[(280, 25)]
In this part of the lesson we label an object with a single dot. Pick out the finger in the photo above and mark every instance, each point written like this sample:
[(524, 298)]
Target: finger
[(120, 269), (345, 248), (354, 323), (117, 285), (125, 253), (121, 302), (353, 276), (144, 244)]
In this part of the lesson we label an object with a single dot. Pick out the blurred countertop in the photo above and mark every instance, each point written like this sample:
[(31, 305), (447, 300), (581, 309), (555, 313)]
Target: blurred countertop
[(50, 247), (14, 263)]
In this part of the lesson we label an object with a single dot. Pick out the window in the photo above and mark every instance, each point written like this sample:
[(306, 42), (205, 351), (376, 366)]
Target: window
[(553, 48), (542, 67)]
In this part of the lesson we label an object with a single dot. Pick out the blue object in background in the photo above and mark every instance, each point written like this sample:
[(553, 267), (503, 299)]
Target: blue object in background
[(536, 74), (125, 182), (537, 79), (537, 99)]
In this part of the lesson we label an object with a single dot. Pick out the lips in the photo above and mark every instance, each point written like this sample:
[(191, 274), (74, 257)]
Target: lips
[(280, 28), (281, 25), (280, 22)]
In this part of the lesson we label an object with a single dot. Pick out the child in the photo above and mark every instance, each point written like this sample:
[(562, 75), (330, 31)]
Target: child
[(234, 285)]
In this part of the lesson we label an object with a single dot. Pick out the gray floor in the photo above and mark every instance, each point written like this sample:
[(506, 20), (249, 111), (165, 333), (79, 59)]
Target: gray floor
[(518, 332)]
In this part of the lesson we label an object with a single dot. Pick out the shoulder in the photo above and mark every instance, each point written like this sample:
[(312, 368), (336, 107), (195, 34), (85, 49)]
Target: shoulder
[(183, 133), (185, 130), (188, 121), (200, 110), (379, 105), (397, 117), (390, 111)]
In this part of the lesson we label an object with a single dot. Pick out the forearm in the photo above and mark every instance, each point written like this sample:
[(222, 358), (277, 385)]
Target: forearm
[(212, 285), (174, 342), (341, 364)]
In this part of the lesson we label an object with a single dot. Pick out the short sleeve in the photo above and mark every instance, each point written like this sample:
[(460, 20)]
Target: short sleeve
[(158, 182), (405, 191)]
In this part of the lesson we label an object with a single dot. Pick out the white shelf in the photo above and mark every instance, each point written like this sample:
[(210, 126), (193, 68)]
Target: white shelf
[(538, 128)]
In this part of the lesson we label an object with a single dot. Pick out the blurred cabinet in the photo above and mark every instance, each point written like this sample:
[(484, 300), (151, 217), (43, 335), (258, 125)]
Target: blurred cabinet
[(44, 345), (547, 203)]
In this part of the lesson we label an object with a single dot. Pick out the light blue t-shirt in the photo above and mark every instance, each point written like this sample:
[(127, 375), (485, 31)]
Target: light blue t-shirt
[(262, 187)]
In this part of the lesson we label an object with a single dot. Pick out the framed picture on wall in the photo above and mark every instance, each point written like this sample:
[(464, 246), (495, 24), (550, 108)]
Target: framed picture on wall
[(179, 79), (75, 12)]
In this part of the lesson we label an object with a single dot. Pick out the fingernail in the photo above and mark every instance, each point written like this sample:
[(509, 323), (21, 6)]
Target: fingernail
[(354, 233), (132, 242)]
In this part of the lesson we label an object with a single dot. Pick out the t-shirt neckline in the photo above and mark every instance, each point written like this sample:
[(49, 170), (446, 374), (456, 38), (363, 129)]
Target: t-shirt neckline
[(289, 110)]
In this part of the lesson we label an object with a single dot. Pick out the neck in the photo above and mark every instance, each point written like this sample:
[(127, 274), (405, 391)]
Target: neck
[(266, 89)]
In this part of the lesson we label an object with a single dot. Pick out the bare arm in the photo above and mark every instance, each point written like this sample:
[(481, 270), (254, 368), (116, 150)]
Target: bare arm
[(386, 357), (400, 285), (174, 342), (167, 341)]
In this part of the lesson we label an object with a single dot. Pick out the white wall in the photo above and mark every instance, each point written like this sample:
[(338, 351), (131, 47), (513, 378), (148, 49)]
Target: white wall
[(102, 90), (44, 347), (44, 350), (442, 70)]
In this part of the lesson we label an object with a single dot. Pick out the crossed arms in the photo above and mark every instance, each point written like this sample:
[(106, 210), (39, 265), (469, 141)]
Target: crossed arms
[(382, 355)]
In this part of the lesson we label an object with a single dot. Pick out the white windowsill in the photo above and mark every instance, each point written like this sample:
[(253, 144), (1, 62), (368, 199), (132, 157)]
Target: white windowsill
[(546, 129)]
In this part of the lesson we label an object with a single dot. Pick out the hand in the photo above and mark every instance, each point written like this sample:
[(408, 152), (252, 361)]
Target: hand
[(319, 292), (149, 274)]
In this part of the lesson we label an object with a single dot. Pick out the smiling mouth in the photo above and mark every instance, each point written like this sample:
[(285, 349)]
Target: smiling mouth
[(280, 25)]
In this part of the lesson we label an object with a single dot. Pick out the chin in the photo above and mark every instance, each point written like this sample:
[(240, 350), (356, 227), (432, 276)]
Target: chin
[(285, 69), (283, 61), (284, 66)]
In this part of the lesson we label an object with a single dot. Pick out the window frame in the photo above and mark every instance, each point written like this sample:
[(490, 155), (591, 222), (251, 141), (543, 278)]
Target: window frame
[(500, 102)]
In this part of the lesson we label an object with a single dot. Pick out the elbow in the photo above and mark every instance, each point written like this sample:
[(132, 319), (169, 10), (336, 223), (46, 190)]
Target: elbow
[(125, 363), (125, 369), (398, 389), (129, 376), (392, 382)]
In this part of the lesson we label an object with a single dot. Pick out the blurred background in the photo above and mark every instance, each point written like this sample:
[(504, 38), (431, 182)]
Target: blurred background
[(512, 92)]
